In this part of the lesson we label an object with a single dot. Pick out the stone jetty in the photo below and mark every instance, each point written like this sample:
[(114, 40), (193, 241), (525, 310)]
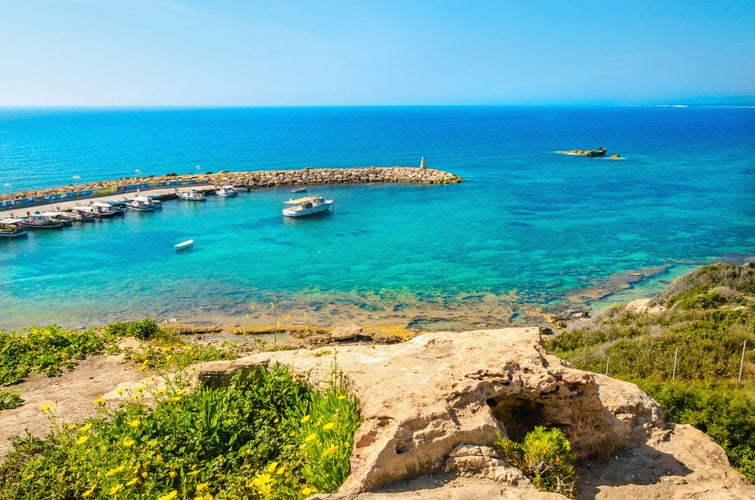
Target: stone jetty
[(251, 180)]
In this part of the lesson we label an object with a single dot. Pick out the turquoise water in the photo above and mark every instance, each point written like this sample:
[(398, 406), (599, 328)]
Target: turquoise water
[(528, 227)]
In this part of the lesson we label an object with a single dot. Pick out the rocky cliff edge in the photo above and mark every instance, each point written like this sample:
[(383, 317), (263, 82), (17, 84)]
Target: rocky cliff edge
[(432, 407)]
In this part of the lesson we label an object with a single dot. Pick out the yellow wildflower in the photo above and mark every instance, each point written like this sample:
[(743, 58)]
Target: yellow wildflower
[(145, 474), (281, 470), (89, 492), (46, 407), (160, 391), (172, 474), (202, 486), (330, 450), (128, 442), (140, 388), (174, 399), (311, 437), (133, 423), (99, 401), (170, 496), (263, 483), (168, 358), (165, 349), (82, 439), (115, 489), (305, 419), (133, 481), (346, 444), (113, 472), (306, 491), (271, 468), (181, 392), (142, 367), (151, 377), (341, 397), (86, 427), (329, 426), (120, 390)]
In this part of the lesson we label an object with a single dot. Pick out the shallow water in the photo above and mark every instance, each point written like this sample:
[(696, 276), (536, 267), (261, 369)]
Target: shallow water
[(528, 227)]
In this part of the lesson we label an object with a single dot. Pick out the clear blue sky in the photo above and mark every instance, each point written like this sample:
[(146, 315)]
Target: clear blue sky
[(373, 52)]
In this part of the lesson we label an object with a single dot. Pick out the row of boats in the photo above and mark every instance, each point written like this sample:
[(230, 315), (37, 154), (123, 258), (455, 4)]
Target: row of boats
[(18, 227)]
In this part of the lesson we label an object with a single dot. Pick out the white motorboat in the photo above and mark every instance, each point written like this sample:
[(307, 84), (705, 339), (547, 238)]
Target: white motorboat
[(43, 220), (192, 195), (150, 201), (184, 245), (226, 191), (98, 210), (140, 204), (308, 205), (109, 208), (12, 228)]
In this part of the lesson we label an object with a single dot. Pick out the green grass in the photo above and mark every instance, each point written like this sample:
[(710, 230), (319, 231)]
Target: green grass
[(46, 350), (264, 436)]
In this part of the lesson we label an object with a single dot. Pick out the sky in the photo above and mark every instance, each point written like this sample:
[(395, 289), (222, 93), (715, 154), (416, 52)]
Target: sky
[(374, 52)]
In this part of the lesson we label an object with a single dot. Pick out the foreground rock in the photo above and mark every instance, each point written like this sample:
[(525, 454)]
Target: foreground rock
[(432, 407)]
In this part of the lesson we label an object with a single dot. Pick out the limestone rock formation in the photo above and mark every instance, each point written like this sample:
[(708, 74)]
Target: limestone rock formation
[(436, 402)]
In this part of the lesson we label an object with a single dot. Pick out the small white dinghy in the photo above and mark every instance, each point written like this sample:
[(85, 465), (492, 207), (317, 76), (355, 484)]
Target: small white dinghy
[(184, 245)]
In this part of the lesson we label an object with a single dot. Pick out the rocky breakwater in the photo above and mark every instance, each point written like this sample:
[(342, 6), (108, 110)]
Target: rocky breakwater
[(313, 176), (433, 405), (251, 180)]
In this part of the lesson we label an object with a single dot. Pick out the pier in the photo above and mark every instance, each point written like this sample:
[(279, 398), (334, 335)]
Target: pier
[(68, 196)]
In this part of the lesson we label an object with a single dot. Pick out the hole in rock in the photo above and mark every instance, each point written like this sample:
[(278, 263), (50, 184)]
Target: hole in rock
[(517, 416)]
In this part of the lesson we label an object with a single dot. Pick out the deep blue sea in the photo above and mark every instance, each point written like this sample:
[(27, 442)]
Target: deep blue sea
[(528, 229)]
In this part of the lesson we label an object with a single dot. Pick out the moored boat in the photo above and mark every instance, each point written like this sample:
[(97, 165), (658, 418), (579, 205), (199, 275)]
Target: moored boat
[(12, 228), (79, 216), (140, 204), (43, 220), (226, 191), (192, 195), (109, 209), (149, 200), (94, 210), (308, 205)]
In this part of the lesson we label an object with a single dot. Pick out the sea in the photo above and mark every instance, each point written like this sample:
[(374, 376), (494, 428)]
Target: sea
[(530, 232)]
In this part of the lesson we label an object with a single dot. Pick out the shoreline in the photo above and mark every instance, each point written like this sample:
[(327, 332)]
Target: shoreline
[(458, 312)]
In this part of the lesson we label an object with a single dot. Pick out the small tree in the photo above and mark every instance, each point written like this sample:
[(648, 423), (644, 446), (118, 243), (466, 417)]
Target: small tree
[(545, 457)]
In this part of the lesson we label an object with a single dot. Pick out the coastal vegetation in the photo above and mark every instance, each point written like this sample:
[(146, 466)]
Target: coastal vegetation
[(49, 350), (545, 458), (263, 436), (686, 352)]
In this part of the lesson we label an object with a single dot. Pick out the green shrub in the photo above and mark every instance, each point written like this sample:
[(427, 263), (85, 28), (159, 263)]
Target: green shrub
[(10, 400), (700, 280), (545, 457), (147, 329)]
